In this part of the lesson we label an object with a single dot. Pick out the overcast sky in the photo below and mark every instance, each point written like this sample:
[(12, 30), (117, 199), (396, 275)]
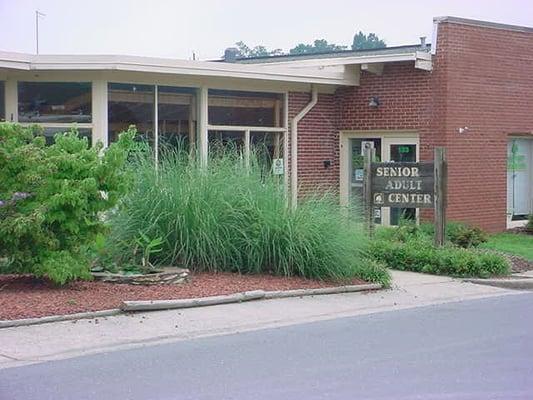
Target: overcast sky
[(175, 29)]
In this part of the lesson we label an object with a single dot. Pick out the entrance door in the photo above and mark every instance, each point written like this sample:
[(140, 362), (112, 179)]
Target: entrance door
[(400, 150), (520, 177), (394, 146)]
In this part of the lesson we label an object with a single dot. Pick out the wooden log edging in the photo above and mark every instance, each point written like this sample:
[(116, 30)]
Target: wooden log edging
[(155, 305), (58, 318)]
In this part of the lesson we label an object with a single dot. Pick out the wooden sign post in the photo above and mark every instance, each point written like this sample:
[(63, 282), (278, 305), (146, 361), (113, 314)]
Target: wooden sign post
[(369, 154), (406, 185), (441, 181)]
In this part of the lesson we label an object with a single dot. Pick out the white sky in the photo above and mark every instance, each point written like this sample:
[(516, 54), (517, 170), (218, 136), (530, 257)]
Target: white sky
[(175, 29)]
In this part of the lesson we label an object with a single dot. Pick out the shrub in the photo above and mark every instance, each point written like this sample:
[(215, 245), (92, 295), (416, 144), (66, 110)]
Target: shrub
[(458, 233), (419, 255), (230, 218), (466, 236), (51, 197), (529, 226)]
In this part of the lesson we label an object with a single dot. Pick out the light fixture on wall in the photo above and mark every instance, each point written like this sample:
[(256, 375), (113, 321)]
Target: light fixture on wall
[(463, 130), (327, 164), (374, 102)]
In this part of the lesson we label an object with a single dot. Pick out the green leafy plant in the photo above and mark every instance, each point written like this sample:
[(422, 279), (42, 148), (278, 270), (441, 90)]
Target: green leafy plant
[(228, 217), (52, 198), (418, 254), (529, 226), (149, 247)]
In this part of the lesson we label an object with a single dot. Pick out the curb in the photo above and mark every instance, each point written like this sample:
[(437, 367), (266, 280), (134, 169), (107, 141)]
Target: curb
[(513, 283), (154, 305), (58, 318)]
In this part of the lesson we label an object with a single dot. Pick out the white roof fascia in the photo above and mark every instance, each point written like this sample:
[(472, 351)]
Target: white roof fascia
[(169, 66), (355, 60)]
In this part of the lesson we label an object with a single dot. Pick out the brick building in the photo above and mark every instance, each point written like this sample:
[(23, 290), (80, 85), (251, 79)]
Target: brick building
[(471, 91)]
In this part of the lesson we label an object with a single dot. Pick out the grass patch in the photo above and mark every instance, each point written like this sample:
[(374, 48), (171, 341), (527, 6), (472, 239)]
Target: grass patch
[(512, 243), (235, 219)]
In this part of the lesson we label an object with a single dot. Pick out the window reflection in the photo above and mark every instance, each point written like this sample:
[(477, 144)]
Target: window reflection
[(54, 102), (131, 104)]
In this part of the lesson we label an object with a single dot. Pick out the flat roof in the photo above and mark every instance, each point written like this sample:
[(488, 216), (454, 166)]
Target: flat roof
[(484, 24), (406, 49)]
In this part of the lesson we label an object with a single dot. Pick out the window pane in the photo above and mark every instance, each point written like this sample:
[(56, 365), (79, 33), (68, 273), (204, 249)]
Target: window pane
[(225, 141), (356, 171), (130, 104), (245, 108), (266, 147), (2, 101), (49, 134), (176, 122), (54, 101), (402, 153)]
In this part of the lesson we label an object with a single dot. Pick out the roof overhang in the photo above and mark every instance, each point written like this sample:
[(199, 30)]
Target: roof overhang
[(422, 60), (282, 73)]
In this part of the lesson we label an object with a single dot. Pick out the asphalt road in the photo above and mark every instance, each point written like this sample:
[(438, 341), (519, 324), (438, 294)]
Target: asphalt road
[(480, 349)]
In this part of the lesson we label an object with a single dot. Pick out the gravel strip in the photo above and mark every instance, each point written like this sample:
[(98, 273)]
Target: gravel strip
[(27, 297)]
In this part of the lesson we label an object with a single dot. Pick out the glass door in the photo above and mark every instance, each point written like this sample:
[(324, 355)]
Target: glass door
[(357, 147), (400, 150)]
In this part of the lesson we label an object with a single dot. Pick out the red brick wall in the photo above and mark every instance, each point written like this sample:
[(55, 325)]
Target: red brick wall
[(318, 141), (482, 78), (489, 88)]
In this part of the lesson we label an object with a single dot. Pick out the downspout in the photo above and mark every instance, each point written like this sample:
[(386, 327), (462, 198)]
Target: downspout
[(294, 145)]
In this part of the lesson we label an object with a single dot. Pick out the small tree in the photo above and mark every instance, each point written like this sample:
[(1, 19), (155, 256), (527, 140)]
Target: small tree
[(52, 197), (258, 51), (318, 46), (370, 41)]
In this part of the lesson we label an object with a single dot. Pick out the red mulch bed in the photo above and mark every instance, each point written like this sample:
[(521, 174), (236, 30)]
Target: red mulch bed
[(27, 297)]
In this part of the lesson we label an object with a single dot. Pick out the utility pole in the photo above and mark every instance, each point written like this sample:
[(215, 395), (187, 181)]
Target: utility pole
[(37, 15)]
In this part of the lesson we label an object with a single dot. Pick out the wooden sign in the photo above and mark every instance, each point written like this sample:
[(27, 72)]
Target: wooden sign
[(403, 184), (406, 185)]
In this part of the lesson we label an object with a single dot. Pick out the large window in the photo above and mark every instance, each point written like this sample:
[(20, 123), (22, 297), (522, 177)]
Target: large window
[(131, 104), (176, 116), (2, 101), (54, 102), (244, 108)]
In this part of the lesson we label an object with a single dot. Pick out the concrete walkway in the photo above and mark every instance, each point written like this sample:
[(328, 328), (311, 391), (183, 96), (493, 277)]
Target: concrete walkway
[(53, 341)]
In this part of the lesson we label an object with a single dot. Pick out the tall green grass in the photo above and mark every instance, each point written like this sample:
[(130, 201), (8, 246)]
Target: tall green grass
[(230, 218)]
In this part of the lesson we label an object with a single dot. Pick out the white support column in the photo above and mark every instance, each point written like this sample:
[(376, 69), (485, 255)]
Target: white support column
[(202, 124), (156, 127), (247, 148), (11, 100), (99, 111)]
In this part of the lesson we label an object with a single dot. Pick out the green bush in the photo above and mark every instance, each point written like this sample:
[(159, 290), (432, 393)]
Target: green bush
[(51, 198), (529, 226), (230, 218), (458, 233), (418, 254)]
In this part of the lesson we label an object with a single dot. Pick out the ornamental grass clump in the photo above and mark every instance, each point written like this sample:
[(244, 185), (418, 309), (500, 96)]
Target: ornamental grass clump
[(228, 217)]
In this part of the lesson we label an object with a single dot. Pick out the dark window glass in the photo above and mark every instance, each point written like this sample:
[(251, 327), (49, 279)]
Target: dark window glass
[(356, 169), (176, 121), (2, 101), (131, 104), (245, 108), (54, 102), (225, 141), (402, 153), (265, 147), (49, 134)]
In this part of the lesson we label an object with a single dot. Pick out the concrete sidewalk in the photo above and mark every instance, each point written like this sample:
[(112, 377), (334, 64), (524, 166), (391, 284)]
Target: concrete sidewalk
[(53, 341)]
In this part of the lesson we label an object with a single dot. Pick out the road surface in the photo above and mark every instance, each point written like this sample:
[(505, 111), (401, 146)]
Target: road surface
[(477, 349)]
